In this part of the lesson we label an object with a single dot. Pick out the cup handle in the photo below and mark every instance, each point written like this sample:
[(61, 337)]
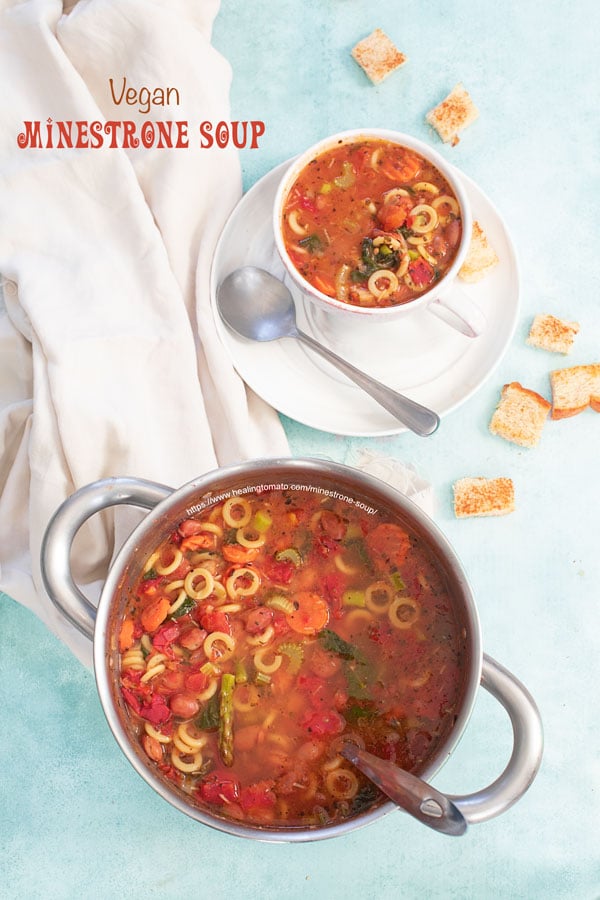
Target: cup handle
[(459, 311), (528, 744), (61, 531)]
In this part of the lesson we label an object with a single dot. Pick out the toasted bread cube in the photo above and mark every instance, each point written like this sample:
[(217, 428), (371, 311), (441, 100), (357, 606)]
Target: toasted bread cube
[(574, 389), (549, 333), (481, 256), (520, 415), (453, 114), (378, 56), (483, 497)]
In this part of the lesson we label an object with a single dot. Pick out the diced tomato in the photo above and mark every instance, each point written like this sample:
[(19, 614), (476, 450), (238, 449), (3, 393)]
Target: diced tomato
[(308, 204), (148, 586), (156, 711), (215, 620), (322, 723), (279, 571), (324, 545), (219, 788), (420, 271), (165, 636), (334, 584), (132, 700), (258, 796), (314, 688), (192, 638), (280, 624), (196, 682), (393, 214)]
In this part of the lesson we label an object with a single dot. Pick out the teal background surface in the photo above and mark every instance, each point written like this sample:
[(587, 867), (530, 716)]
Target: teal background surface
[(75, 819)]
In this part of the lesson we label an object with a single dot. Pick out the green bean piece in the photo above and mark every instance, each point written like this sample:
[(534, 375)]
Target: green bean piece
[(226, 718)]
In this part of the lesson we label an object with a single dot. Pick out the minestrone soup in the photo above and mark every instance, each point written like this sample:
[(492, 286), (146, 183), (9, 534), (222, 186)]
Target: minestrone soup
[(371, 223), (271, 628)]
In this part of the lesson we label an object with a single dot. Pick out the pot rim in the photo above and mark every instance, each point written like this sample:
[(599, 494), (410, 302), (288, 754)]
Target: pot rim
[(303, 467)]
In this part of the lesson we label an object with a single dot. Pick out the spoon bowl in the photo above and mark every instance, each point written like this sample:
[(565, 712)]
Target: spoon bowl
[(259, 307)]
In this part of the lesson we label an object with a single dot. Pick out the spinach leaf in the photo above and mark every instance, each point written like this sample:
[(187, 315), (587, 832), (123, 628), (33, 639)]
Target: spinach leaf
[(209, 718), (312, 243), (335, 644)]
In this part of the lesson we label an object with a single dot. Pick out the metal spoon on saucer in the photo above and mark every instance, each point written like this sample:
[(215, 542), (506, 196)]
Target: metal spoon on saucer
[(256, 305), (412, 794)]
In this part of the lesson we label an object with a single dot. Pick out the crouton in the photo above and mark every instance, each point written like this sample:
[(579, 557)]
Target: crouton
[(520, 415), (483, 497), (549, 333), (378, 56), (481, 256), (574, 389), (453, 114)]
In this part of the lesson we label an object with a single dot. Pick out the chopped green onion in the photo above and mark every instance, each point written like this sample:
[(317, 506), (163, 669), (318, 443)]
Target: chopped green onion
[(262, 521), (295, 653), (209, 669), (263, 678), (397, 582), (241, 673), (281, 604), (353, 598), (290, 553), (326, 188), (226, 719), (347, 178)]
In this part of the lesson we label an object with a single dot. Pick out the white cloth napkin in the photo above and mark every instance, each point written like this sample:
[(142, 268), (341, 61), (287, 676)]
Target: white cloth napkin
[(109, 360)]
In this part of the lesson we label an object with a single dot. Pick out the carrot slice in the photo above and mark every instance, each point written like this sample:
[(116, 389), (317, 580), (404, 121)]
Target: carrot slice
[(235, 553), (155, 613), (126, 635), (203, 541), (310, 615)]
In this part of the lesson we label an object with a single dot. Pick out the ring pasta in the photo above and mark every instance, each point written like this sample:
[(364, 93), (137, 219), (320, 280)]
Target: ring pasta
[(350, 212), (253, 663)]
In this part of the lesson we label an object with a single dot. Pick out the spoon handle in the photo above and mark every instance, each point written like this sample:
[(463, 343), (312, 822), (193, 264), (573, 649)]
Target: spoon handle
[(413, 795), (418, 418)]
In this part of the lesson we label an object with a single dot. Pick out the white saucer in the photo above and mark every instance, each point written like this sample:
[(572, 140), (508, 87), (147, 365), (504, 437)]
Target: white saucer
[(419, 355)]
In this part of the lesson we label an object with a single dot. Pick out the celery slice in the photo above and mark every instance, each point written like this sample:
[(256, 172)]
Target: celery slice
[(226, 719)]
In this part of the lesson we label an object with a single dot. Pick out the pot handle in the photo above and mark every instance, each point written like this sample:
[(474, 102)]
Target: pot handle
[(64, 525), (528, 744)]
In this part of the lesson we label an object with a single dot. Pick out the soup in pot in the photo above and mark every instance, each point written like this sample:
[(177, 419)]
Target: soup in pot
[(270, 628), (371, 223)]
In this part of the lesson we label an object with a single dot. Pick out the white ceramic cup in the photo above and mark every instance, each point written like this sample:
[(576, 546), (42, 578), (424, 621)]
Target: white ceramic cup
[(444, 299)]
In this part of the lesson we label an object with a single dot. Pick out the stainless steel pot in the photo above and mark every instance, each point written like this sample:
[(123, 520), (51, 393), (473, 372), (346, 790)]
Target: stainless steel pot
[(168, 507)]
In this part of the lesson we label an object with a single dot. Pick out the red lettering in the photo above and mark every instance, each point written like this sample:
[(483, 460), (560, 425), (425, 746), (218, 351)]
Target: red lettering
[(82, 135), (222, 134), (111, 129), (182, 135), (205, 132), (258, 129), (95, 134), (30, 137), (148, 134), (129, 138), (64, 135)]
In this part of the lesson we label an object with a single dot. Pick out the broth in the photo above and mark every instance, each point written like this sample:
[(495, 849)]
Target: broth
[(371, 223), (269, 629)]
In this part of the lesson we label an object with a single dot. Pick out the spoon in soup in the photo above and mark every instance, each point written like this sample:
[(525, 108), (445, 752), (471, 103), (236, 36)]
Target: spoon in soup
[(258, 306), (412, 794)]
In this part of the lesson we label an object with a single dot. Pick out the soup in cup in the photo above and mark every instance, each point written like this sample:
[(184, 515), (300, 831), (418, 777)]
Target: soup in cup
[(373, 225)]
